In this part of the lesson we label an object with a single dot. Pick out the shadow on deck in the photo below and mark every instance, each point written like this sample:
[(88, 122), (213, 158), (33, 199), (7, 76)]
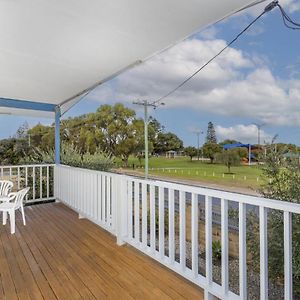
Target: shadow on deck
[(58, 256)]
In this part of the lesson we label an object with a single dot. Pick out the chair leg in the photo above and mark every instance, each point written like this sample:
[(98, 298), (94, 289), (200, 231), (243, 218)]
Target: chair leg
[(23, 215), (4, 217), (12, 221)]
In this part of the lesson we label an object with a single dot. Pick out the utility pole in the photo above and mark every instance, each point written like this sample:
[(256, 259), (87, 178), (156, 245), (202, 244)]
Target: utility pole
[(146, 104), (198, 132), (259, 126)]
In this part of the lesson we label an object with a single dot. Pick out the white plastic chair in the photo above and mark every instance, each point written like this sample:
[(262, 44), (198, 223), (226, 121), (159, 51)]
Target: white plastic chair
[(11, 207), (5, 189)]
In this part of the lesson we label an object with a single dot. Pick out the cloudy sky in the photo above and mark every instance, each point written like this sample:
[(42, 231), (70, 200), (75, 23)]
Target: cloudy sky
[(255, 81)]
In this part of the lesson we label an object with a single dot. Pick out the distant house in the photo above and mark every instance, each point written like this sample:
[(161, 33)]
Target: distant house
[(171, 154)]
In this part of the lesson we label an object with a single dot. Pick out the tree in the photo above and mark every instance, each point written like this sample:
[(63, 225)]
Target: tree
[(12, 151), (210, 150), (282, 183), (228, 141), (211, 136), (121, 132), (42, 136), (191, 152), (113, 128), (22, 131), (229, 158), (166, 142)]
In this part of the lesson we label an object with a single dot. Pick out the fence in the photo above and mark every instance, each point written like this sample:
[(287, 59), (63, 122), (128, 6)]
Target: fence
[(205, 174), (88, 192), (39, 178), (162, 220)]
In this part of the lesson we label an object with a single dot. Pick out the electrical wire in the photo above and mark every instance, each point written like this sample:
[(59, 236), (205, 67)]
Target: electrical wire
[(288, 22), (210, 60)]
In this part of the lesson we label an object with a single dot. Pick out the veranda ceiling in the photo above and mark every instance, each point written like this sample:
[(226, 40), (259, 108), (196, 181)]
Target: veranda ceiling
[(54, 51)]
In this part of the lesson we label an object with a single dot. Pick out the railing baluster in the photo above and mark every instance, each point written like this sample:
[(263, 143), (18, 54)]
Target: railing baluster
[(26, 180), (136, 211), (85, 186), (130, 209), (171, 226), (41, 183), (144, 215), (47, 182), (99, 207), (182, 230), (288, 257), (263, 253), (18, 178), (103, 198), (208, 239), (161, 214), (242, 251), (195, 227), (108, 193), (152, 218), (224, 243), (33, 183), (88, 194)]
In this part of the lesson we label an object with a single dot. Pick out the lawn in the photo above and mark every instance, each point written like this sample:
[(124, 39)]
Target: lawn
[(183, 168)]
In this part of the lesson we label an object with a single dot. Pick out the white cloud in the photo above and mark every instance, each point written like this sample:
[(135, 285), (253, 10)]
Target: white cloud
[(242, 133), (209, 33), (290, 5), (235, 84)]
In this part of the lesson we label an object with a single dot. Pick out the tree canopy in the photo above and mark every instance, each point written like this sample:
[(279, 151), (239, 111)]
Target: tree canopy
[(191, 152), (211, 136), (115, 129), (229, 158)]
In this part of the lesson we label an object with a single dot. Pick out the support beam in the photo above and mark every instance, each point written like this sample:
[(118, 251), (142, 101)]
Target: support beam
[(57, 135), (30, 105)]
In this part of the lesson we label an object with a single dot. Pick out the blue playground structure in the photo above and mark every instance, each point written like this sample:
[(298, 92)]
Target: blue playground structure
[(249, 147)]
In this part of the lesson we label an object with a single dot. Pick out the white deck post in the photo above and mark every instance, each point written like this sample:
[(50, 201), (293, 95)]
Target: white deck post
[(120, 198), (57, 135)]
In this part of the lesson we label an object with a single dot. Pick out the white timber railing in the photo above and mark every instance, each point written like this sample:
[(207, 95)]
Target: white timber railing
[(162, 219), (40, 179)]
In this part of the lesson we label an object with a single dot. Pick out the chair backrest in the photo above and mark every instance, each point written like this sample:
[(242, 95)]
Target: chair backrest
[(20, 197), (5, 187)]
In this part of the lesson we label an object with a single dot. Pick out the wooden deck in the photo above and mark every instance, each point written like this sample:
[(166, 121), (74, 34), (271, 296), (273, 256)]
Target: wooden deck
[(58, 256)]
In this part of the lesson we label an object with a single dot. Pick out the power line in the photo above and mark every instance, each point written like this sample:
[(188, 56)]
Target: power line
[(287, 20), (268, 8)]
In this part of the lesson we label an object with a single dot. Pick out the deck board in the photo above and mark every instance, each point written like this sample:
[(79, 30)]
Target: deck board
[(58, 256)]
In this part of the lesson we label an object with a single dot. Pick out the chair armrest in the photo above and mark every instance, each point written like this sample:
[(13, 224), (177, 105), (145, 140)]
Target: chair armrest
[(11, 196)]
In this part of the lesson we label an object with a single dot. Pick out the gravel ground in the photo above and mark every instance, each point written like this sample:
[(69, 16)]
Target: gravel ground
[(276, 291)]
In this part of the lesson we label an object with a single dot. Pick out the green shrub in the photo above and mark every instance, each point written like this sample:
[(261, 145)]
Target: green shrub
[(216, 250), (70, 156)]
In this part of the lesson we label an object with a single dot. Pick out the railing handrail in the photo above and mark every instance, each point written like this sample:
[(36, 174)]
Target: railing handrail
[(236, 197), (24, 166), (88, 170), (206, 191)]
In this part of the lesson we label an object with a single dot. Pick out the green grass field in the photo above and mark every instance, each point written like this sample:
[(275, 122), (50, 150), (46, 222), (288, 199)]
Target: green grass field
[(184, 168)]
